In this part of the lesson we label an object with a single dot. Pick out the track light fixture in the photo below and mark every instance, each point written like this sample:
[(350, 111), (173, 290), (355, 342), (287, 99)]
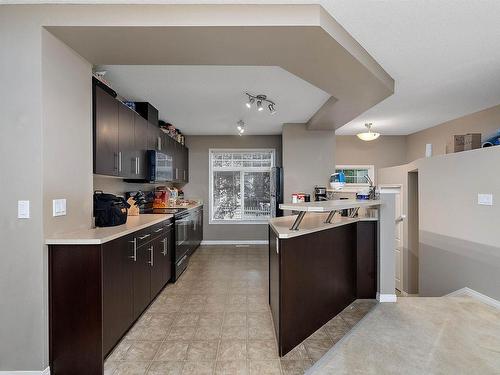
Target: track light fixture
[(240, 127), (261, 100)]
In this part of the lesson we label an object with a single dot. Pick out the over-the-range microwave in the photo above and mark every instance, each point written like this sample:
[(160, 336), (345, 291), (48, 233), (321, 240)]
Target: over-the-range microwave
[(160, 167)]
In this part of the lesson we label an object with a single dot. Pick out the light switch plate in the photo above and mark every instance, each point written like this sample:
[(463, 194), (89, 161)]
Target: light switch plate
[(485, 199), (58, 207), (23, 209)]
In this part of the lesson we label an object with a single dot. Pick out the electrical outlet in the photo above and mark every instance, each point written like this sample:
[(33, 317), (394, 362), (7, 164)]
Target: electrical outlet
[(23, 209), (485, 199), (58, 207)]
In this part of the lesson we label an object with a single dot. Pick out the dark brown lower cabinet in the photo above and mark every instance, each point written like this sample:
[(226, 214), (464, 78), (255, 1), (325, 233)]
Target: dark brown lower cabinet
[(96, 292), (117, 293), (162, 261), (142, 279), (313, 277)]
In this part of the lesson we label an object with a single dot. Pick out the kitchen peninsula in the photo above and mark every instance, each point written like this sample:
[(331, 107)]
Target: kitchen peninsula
[(320, 262)]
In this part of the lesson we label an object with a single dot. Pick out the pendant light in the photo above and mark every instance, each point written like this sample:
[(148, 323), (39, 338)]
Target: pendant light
[(369, 135)]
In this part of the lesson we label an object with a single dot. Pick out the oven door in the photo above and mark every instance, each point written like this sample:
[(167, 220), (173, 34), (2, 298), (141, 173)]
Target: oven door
[(182, 234)]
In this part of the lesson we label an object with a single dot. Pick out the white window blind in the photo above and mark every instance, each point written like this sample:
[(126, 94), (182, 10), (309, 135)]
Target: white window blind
[(240, 185)]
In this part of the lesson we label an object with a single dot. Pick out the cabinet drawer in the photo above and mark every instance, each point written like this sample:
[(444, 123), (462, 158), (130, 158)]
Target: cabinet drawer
[(150, 233)]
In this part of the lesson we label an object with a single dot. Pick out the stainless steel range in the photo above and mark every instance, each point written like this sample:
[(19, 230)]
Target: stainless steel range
[(188, 235)]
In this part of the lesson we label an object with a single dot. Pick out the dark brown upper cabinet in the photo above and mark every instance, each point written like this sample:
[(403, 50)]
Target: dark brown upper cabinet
[(126, 142), (106, 157), (122, 137), (141, 146)]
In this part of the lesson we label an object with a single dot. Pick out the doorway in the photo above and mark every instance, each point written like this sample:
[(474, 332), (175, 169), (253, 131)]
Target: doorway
[(397, 190), (411, 256)]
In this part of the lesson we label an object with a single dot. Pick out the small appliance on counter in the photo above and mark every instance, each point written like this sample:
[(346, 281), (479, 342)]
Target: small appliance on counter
[(109, 210), (301, 197), (337, 180), (320, 194)]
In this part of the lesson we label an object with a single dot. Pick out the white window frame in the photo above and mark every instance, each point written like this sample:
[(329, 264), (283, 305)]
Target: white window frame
[(351, 187), (250, 169)]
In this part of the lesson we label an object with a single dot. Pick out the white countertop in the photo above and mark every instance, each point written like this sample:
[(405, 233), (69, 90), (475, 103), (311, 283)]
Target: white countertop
[(310, 224), (331, 205), (98, 236)]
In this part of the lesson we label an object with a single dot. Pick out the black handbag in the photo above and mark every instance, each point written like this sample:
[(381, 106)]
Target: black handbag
[(109, 210)]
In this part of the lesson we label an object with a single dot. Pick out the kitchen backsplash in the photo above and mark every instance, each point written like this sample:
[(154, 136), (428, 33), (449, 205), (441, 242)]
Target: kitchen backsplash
[(118, 187)]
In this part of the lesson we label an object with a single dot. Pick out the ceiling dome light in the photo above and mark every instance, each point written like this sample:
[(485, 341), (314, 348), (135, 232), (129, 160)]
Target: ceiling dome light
[(369, 135)]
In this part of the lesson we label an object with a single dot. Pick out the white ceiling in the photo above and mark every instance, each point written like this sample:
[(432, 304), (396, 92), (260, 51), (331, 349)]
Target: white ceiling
[(211, 99), (444, 55)]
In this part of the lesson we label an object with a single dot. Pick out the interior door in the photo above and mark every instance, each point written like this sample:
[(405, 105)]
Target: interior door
[(398, 248)]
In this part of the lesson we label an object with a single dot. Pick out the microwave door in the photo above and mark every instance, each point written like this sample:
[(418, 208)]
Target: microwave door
[(164, 167)]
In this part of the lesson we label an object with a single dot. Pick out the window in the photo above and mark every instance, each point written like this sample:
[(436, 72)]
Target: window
[(240, 185), (355, 175)]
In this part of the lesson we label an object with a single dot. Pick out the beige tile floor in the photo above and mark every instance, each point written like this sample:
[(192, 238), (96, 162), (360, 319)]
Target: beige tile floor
[(216, 320)]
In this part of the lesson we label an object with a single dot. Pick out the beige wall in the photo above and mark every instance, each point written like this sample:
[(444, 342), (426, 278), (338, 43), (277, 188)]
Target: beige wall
[(386, 151), (308, 158), (199, 175), (485, 122), (23, 340), (67, 135), (457, 240)]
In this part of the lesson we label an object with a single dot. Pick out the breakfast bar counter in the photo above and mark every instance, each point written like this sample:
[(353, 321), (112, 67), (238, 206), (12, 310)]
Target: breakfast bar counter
[(318, 268)]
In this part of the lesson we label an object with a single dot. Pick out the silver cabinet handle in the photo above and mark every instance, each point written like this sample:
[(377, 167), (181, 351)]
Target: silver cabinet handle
[(158, 230), (119, 161), (134, 257), (165, 247), (138, 164), (115, 162), (184, 175), (176, 173), (277, 247), (151, 256), (145, 236), (159, 143)]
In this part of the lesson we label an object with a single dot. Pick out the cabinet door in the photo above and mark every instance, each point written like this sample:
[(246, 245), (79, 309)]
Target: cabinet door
[(162, 265), (105, 133), (126, 142), (117, 298), (185, 163), (141, 146), (142, 279), (155, 142)]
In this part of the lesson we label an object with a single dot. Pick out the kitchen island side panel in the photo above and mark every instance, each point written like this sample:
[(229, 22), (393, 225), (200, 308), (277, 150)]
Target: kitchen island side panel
[(318, 280), (366, 259), (274, 280)]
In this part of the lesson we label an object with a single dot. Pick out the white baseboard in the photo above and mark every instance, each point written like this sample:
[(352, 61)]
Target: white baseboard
[(386, 297), (234, 242), (479, 296), (43, 372)]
